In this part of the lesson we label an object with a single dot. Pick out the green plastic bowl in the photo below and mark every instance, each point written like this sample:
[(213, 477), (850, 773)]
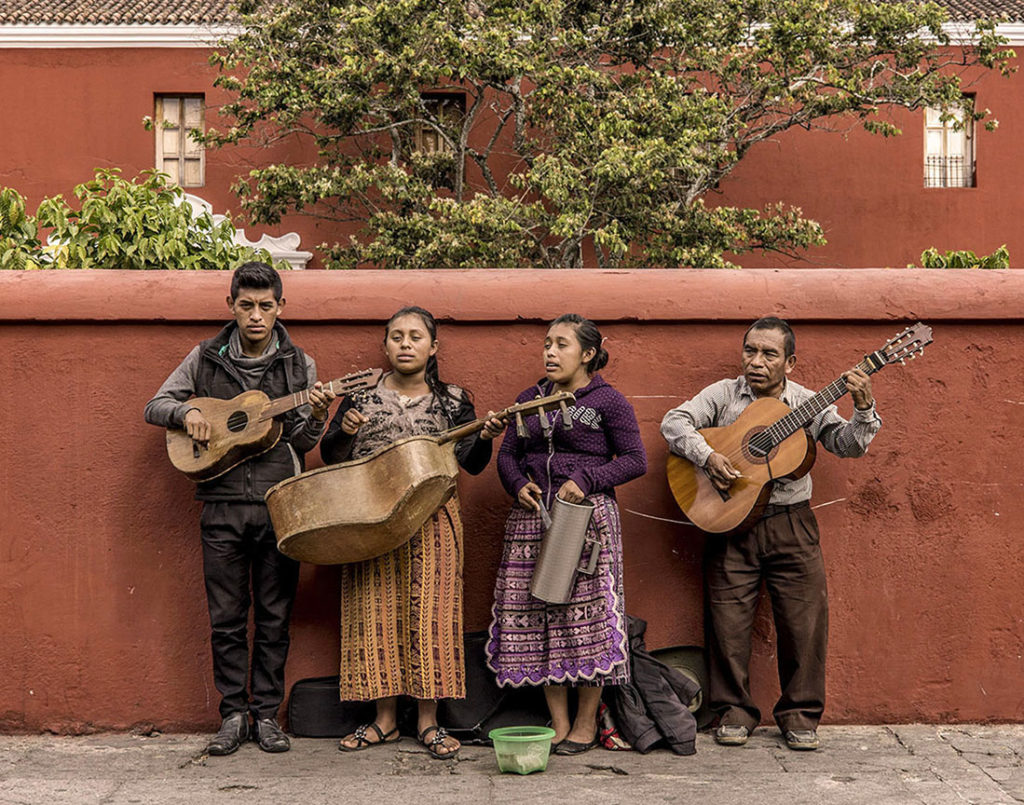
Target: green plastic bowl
[(522, 750)]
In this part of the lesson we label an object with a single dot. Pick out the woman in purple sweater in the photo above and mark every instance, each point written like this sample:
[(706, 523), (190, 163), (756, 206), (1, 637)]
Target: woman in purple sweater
[(583, 643)]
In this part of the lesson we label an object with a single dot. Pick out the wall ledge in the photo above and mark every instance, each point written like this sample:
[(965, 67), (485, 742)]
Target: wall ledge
[(488, 295), (113, 35)]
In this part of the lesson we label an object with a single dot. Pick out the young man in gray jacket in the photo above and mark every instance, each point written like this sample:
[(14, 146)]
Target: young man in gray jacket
[(239, 545)]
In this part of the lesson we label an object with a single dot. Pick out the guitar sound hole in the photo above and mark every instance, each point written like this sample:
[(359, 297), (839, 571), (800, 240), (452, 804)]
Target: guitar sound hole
[(237, 421), (758, 449)]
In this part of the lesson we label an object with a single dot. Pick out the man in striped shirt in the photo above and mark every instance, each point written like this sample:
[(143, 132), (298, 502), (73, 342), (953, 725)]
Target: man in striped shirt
[(781, 548)]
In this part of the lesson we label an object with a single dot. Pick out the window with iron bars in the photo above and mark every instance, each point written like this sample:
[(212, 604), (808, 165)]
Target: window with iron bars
[(949, 149)]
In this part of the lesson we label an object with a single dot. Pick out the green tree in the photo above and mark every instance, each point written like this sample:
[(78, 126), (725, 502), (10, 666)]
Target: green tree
[(592, 129)]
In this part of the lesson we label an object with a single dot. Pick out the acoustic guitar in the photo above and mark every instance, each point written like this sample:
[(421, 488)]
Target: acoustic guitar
[(245, 426), (768, 442)]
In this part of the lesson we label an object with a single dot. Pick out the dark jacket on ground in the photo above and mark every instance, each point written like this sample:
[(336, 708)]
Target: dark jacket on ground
[(653, 706)]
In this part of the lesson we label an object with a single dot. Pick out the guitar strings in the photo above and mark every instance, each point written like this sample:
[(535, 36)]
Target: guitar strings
[(775, 433)]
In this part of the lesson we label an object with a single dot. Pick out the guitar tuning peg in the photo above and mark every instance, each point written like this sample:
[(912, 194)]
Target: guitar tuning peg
[(903, 361), (521, 431), (566, 419)]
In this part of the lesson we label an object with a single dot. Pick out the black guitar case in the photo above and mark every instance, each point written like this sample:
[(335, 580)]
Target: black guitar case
[(487, 706), (314, 710)]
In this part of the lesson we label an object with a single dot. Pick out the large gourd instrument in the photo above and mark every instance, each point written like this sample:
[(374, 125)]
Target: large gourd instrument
[(364, 508)]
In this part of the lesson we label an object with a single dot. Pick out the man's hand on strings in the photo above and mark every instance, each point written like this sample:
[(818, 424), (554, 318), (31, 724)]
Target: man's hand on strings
[(197, 426), (721, 470)]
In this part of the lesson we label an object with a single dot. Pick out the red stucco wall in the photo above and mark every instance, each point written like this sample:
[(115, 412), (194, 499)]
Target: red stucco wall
[(868, 193), (102, 611), (68, 111)]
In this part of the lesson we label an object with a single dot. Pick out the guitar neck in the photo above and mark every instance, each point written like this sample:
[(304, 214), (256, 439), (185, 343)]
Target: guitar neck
[(805, 413), (284, 404), (462, 431)]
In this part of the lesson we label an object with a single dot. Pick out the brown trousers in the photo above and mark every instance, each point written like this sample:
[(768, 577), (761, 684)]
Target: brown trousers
[(782, 550)]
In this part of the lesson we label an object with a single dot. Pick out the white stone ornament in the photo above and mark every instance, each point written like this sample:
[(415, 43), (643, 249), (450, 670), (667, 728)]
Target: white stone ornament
[(284, 247)]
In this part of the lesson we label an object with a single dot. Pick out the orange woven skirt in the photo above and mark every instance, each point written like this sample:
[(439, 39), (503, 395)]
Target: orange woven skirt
[(401, 617)]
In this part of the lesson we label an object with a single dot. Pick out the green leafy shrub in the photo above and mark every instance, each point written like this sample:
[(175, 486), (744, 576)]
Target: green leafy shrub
[(19, 244), (932, 258), (143, 223)]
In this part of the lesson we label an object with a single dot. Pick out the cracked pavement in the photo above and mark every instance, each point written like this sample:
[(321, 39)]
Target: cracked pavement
[(880, 765)]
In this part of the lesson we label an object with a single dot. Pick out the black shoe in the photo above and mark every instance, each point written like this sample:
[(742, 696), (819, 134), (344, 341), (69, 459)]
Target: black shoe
[(270, 737), (234, 730), (567, 747)]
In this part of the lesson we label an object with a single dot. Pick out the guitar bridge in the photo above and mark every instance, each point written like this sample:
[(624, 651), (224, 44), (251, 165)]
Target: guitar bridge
[(722, 493)]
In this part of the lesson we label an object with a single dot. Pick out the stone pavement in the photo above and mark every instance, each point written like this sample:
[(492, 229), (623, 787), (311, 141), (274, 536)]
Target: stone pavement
[(933, 765)]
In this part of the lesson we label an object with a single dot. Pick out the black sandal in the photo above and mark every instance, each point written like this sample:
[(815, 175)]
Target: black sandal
[(440, 733), (362, 743)]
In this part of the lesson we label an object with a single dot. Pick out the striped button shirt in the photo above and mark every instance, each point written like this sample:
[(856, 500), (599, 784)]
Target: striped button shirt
[(721, 403)]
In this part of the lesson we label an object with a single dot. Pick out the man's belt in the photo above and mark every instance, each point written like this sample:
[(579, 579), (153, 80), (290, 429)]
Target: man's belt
[(777, 508)]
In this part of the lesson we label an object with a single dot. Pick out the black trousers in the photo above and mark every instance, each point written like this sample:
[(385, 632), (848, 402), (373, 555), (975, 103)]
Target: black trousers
[(240, 553), (782, 550)]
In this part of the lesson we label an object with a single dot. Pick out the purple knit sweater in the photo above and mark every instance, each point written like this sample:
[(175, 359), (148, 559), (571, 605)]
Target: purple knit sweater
[(601, 451)]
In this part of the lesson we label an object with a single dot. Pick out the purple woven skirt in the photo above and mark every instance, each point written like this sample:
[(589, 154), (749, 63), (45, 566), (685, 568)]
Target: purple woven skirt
[(583, 642)]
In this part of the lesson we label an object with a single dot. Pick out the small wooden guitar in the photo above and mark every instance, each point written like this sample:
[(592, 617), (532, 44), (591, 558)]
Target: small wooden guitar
[(768, 442), (245, 426)]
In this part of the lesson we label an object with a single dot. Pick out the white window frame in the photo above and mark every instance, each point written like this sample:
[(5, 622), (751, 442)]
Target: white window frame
[(949, 148)]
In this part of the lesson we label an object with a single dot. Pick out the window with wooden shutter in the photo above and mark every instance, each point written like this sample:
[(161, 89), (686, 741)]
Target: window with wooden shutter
[(436, 155), (449, 108), (177, 154)]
